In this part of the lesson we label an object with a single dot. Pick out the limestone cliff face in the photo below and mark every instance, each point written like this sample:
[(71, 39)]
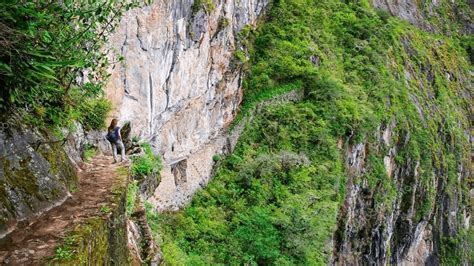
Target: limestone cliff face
[(178, 84)]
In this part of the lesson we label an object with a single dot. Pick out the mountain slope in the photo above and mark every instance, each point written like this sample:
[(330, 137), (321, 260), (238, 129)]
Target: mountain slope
[(377, 153)]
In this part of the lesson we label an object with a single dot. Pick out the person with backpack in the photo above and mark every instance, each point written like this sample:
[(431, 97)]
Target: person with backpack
[(115, 139)]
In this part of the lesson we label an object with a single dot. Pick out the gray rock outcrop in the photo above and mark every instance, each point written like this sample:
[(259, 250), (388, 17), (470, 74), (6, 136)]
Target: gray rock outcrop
[(35, 172)]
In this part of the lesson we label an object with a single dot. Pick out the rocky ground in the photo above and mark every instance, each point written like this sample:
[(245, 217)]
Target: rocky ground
[(36, 239)]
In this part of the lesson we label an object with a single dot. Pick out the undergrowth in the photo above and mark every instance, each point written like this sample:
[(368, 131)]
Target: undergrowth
[(89, 152), (146, 164), (132, 194)]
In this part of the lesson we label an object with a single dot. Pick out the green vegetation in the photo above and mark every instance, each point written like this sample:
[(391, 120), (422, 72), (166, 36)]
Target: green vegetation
[(275, 199), (470, 243), (99, 239), (223, 23), (89, 152), (94, 113), (65, 251), (86, 243), (105, 209), (241, 56), (52, 67), (451, 17), (132, 194), (147, 164), (216, 157), (135, 140), (62, 253), (207, 5)]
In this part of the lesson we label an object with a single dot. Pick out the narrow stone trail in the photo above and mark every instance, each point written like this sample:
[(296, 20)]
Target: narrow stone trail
[(34, 240)]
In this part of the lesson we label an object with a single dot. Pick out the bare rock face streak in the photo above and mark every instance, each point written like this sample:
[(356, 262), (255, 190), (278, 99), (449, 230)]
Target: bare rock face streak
[(179, 85)]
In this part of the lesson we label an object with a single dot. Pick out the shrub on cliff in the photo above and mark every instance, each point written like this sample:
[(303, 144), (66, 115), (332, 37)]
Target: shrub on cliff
[(147, 164)]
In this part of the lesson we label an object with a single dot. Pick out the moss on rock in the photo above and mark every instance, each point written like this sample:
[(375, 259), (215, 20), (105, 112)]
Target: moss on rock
[(99, 240), (35, 172)]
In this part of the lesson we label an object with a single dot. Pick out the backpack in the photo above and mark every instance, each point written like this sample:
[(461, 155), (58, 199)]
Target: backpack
[(113, 136)]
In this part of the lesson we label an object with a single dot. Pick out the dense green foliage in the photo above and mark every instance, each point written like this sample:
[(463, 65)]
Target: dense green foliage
[(275, 199), (93, 113), (146, 164), (132, 194), (52, 65), (206, 5)]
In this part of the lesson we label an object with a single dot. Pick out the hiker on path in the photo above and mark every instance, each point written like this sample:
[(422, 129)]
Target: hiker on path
[(115, 139)]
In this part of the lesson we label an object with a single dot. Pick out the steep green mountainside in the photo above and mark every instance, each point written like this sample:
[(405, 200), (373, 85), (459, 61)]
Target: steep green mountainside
[(373, 83), (448, 17)]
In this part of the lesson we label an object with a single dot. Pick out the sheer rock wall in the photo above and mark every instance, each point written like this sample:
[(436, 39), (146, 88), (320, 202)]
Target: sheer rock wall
[(179, 85)]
